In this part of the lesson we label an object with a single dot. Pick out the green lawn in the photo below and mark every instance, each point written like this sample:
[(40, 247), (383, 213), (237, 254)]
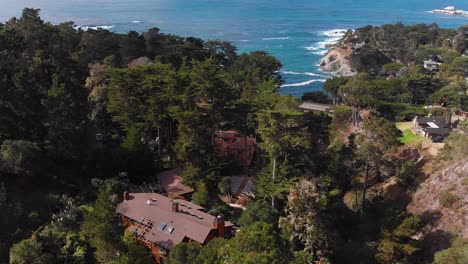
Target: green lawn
[(409, 137)]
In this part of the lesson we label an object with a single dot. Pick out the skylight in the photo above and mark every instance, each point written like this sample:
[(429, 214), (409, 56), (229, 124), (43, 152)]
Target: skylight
[(169, 230), (162, 226)]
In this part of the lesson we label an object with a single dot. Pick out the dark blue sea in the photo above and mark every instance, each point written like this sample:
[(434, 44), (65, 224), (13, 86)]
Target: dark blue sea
[(295, 31)]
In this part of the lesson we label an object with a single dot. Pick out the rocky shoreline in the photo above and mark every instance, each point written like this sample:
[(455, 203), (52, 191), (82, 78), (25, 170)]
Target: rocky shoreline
[(336, 61)]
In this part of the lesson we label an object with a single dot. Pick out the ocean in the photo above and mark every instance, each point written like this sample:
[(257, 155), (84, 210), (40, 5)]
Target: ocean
[(294, 31)]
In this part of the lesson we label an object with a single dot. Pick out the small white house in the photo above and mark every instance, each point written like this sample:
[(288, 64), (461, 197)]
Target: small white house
[(431, 65)]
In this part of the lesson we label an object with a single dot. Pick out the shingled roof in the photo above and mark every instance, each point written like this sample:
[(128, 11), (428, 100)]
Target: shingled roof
[(171, 181), (438, 121), (438, 131), (169, 228)]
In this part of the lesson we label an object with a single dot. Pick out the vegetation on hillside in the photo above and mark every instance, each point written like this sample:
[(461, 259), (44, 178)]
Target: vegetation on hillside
[(85, 114)]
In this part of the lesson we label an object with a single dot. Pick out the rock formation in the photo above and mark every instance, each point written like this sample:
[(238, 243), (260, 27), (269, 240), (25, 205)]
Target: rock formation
[(336, 61)]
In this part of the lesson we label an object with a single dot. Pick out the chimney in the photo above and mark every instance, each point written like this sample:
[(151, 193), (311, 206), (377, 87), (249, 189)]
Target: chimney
[(219, 224), (126, 196), (175, 207)]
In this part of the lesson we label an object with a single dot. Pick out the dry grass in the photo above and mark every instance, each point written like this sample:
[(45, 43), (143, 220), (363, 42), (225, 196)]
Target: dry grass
[(403, 125)]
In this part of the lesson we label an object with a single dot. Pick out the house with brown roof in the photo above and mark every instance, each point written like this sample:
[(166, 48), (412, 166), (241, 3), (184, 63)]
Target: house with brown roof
[(161, 223), (231, 143), (171, 182)]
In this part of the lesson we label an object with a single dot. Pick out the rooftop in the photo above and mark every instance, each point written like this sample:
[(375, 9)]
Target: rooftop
[(171, 181), (434, 122), (437, 131), (242, 185), (169, 228), (431, 62), (232, 143)]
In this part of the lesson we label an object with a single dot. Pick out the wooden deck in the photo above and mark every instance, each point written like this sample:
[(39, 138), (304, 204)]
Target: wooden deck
[(311, 106)]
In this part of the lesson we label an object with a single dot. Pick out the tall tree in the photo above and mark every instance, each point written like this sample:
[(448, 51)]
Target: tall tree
[(101, 228), (282, 132), (209, 86), (258, 243), (375, 147), (307, 220)]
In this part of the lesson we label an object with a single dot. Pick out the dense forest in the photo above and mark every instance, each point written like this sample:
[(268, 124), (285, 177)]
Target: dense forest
[(378, 45), (85, 114)]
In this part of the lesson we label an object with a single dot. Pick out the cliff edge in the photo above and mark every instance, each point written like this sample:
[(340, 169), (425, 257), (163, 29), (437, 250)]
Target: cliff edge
[(336, 61)]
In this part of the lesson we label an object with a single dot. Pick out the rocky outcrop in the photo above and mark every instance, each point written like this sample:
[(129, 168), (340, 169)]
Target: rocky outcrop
[(336, 61), (444, 197)]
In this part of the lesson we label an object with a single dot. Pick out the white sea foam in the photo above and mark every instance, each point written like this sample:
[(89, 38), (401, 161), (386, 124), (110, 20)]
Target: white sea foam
[(302, 73), (334, 32), (136, 21), (321, 52), (244, 40), (333, 36), (85, 28), (328, 41), (276, 38), (291, 72), (314, 74), (313, 47), (302, 83), (321, 47)]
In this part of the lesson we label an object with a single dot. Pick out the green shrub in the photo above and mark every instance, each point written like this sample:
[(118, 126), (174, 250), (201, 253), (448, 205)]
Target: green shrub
[(465, 181), (342, 114), (448, 198), (317, 97), (393, 67), (399, 112)]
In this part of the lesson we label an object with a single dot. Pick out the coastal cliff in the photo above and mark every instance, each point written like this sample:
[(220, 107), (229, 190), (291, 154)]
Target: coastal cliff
[(336, 61), (369, 48), (347, 60)]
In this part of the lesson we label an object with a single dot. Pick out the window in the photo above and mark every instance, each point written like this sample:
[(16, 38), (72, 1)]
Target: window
[(162, 226), (169, 230)]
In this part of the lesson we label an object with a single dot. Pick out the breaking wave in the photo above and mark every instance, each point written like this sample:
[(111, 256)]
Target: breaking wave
[(302, 83), (332, 36), (302, 73), (276, 38), (85, 28), (334, 32)]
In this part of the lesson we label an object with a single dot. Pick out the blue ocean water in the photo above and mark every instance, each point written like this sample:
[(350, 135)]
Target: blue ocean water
[(295, 31)]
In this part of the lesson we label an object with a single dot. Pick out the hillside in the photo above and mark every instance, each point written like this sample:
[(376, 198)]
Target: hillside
[(374, 46), (444, 195)]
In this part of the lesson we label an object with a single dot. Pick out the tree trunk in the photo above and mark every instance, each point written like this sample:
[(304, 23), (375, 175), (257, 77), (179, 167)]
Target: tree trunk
[(275, 157), (356, 198), (365, 188), (213, 128), (159, 142)]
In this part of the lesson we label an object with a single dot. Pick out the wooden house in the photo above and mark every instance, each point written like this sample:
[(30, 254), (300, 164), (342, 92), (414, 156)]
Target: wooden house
[(161, 223)]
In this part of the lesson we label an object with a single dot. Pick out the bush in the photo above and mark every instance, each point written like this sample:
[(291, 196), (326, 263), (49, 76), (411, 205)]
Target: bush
[(201, 196), (393, 67), (465, 181), (448, 198), (342, 114), (399, 112), (317, 97)]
